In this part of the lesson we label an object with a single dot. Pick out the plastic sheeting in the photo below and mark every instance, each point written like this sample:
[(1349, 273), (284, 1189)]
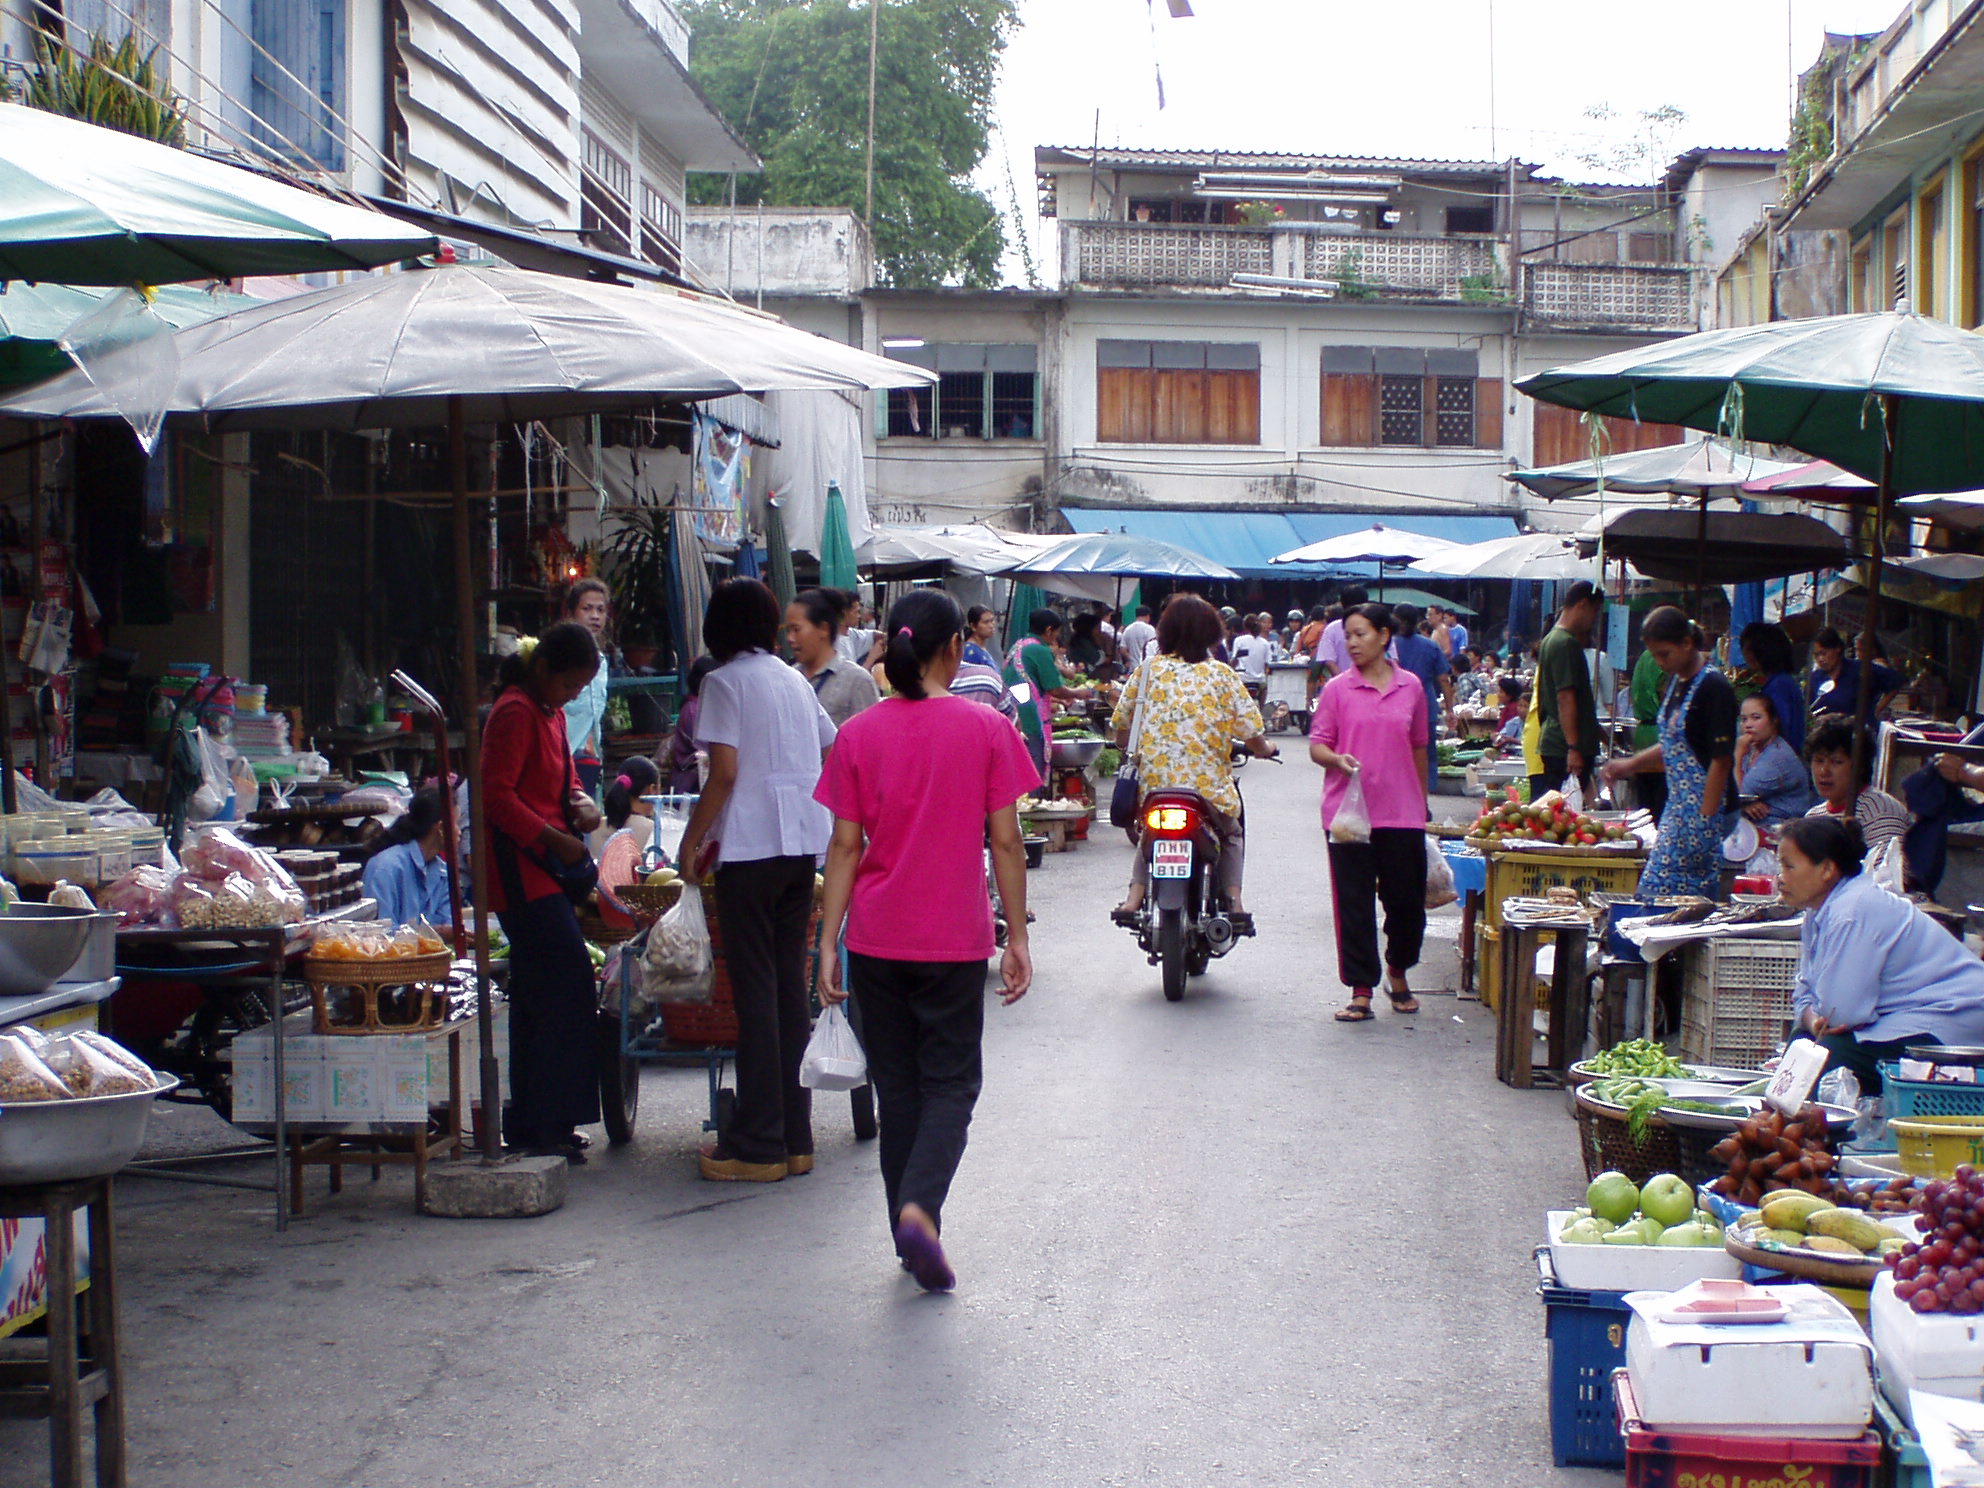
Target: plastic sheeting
[(820, 444)]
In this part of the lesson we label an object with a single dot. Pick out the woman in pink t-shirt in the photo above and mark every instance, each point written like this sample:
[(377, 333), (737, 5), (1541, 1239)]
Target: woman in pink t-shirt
[(914, 783), (1371, 723)]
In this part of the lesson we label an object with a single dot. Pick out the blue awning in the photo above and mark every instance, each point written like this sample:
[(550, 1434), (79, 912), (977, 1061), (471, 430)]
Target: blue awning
[(1247, 542)]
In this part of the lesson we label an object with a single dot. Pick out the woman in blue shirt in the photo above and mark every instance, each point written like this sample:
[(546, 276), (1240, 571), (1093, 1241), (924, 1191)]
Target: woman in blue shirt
[(1767, 767), (407, 876), (1875, 974), (1767, 652)]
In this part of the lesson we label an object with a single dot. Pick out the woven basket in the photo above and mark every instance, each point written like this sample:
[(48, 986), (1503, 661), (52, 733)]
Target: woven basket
[(649, 903), (714, 1023), (408, 994)]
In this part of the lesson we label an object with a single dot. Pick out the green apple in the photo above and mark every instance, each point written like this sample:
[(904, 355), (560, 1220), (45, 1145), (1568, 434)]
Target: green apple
[(1667, 1199), (1613, 1196)]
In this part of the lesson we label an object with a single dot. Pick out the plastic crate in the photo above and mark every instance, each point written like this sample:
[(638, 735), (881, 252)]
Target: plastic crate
[(1907, 1464), (1911, 1098), (1529, 874), (1672, 1459), (1736, 1000), (1587, 1336)]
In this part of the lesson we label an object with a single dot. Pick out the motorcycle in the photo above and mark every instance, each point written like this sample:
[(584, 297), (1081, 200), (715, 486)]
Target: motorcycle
[(1182, 926)]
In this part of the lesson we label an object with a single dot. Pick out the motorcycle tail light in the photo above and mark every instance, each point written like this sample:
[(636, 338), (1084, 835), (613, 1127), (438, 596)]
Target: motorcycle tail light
[(1170, 820)]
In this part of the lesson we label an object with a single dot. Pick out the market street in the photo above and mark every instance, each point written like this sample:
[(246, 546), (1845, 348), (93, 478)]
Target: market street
[(1221, 1241)]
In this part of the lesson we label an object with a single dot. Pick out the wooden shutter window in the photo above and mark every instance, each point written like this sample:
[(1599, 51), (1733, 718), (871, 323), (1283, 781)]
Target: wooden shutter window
[(1488, 413), (1177, 392), (1350, 397)]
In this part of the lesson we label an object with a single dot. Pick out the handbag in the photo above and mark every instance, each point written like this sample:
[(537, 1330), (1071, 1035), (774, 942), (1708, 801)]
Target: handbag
[(576, 881), (1128, 794)]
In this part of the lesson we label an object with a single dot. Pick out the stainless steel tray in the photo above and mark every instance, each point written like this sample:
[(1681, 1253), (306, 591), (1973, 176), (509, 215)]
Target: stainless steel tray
[(54, 1141)]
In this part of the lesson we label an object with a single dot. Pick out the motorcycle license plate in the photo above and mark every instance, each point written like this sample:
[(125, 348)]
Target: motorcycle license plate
[(1171, 859)]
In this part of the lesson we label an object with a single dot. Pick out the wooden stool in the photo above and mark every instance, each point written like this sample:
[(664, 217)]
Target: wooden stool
[(78, 1370), (1570, 1005)]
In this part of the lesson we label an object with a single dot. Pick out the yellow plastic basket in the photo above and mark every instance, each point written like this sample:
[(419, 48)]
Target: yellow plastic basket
[(1934, 1146)]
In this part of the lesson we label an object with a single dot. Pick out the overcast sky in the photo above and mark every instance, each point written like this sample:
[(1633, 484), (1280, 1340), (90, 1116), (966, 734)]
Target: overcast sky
[(1405, 77)]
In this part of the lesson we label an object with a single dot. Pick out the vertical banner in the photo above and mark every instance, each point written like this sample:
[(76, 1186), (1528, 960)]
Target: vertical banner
[(716, 498)]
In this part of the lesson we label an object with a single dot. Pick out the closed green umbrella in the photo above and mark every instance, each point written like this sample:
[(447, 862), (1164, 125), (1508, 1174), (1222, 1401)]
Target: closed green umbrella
[(80, 204), (1019, 609), (836, 548), (778, 554)]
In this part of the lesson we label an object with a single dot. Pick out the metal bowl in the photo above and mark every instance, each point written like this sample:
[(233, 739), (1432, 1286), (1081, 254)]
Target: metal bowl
[(54, 1141), (38, 942), (1076, 754)]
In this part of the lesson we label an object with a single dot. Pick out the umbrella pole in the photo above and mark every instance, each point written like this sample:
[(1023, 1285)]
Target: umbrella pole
[(1863, 708), (1701, 551), (485, 1024)]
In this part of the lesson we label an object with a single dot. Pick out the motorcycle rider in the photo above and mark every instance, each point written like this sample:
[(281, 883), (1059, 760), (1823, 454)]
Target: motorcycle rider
[(1195, 710)]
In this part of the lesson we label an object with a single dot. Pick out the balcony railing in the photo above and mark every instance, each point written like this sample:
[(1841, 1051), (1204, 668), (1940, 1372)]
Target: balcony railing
[(1658, 297), (1151, 255), (1411, 264)]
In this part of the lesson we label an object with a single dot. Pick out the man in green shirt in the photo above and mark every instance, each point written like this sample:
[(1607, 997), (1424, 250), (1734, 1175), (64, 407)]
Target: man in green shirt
[(1649, 682), (1035, 676), (1564, 700)]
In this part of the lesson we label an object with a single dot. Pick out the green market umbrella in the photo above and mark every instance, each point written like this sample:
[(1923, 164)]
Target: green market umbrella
[(778, 554), (1020, 605), (33, 318), (1895, 397), (837, 569), (81, 204)]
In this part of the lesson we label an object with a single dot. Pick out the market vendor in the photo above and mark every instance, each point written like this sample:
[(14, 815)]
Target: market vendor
[(587, 603), (1884, 821), (1835, 684), (1766, 765), (1035, 677), (1875, 974), (1697, 749), (407, 875)]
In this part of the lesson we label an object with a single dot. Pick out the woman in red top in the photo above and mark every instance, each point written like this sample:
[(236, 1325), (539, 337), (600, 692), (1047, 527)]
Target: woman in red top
[(915, 783), (536, 812)]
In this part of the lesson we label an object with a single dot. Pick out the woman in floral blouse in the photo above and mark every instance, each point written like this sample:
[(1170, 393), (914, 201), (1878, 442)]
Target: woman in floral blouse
[(1195, 710)]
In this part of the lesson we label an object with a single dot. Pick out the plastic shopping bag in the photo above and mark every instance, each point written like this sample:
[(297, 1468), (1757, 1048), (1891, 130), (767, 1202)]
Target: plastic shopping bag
[(833, 1060), (1573, 794), (1440, 890), (1352, 822), (680, 964)]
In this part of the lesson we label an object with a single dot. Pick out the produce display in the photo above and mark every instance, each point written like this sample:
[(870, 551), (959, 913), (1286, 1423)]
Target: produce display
[(1768, 1153), (37, 1067), (1616, 1211), (1944, 1271), (1792, 1220), (377, 942), (1548, 819), (1644, 1057), (224, 884)]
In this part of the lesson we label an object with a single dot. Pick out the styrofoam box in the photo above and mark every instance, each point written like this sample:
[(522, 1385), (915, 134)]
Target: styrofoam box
[(1633, 1268), (1810, 1375), (1938, 1353)]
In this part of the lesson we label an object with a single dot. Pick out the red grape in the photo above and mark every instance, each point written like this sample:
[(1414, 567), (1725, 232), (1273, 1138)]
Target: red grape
[(1965, 1172), (1926, 1301)]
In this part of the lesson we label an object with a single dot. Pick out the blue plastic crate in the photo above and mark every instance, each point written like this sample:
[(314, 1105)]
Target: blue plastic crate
[(1907, 1463), (1587, 1334), (1907, 1099)]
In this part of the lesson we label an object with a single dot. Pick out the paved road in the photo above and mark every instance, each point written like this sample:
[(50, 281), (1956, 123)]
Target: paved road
[(1224, 1241)]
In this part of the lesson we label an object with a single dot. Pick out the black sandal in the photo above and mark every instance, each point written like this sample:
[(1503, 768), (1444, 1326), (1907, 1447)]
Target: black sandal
[(1358, 1010), (1400, 999)]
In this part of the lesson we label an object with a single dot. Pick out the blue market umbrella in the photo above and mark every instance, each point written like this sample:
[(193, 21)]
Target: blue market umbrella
[(837, 569), (747, 559)]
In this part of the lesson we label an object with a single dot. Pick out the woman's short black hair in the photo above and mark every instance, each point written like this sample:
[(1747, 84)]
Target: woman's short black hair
[(1043, 620), (1085, 624), (1670, 627), (1828, 839), (1511, 687), (743, 616), (1836, 737), (1763, 700), (1828, 639), (821, 608), (1189, 628), (1319, 612), (580, 589), (1769, 644), (422, 815), (975, 614), (701, 668), (638, 777), (567, 647), (1407, 617), (920, 625), (1377, 616)]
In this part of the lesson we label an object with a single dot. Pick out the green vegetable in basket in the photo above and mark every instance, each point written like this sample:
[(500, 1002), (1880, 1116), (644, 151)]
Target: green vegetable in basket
[(1642, 1057)]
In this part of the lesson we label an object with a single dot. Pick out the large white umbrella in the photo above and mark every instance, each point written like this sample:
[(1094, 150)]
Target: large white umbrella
[(1703, 466), (80, 204), (1528, 555), (1374, 544)]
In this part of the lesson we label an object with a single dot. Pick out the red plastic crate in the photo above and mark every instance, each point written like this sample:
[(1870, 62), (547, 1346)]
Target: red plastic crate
[(1672, 1459)]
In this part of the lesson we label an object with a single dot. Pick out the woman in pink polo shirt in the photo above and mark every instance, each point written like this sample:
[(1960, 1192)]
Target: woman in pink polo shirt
[(915, 784), (1371, 723)]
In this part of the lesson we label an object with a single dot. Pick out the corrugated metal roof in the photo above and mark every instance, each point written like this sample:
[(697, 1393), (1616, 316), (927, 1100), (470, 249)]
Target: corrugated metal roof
[(1201, 159), (1247, 542)]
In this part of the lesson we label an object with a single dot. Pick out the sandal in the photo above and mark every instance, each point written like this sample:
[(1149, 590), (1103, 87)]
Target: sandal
[(1241, 920), (1357, 1011), (1403, 1002)]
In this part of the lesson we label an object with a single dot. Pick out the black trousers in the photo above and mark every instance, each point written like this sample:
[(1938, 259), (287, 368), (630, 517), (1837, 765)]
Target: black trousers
[(1650, 790), (1865, 1057), (922, 1024), (554, 1022), (763, 908), (1390, 870), (1555, 768)]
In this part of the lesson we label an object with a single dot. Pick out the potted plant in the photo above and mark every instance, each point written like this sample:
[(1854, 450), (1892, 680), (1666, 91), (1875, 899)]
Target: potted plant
[(636, 573)]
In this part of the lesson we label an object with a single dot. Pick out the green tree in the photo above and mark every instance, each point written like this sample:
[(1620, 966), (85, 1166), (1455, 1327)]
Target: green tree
[(792, 77)]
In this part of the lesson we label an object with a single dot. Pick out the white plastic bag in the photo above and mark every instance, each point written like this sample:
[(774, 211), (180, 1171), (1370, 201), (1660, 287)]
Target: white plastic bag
[(681, 967), (1573, 794), (834, 1060), (1352, 822), (1440, 890)]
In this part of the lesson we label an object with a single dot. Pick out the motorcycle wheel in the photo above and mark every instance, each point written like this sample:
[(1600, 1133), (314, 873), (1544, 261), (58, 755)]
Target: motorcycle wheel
[(1171, 952)]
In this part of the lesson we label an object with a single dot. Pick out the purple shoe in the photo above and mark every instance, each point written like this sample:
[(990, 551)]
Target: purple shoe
[(923, 1255)]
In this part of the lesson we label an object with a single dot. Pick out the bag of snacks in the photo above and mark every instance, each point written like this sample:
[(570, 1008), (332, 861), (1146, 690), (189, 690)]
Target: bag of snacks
[(25, 1075), (66, 895), (115, 1052), (189, 904), (86, 1070), (140, 897), (432, 941)]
